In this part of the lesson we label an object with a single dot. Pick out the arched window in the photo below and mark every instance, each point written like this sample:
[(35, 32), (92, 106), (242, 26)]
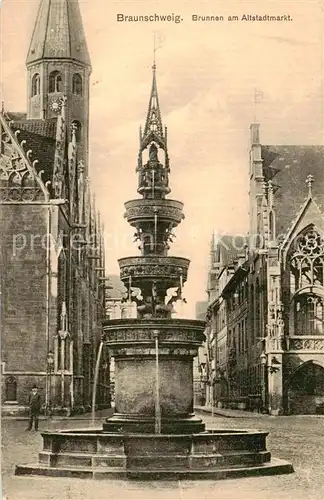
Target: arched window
[(11, 389), (306, 260), (55, 82), (77, 84), (35, 90), (77, 127), (309, 315)]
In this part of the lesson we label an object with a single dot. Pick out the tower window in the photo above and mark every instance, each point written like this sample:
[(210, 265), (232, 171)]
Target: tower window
[(55, 82), (76, 125), (77, 84), (35, 85)]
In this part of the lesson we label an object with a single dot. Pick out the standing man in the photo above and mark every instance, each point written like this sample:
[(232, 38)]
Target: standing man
[(34, 408)]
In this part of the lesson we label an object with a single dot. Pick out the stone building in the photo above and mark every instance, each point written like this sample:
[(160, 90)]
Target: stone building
[(265, 314), (52, 249)]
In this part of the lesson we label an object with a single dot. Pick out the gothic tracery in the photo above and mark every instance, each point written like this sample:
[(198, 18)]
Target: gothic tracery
[(17, 181), (307, 282)]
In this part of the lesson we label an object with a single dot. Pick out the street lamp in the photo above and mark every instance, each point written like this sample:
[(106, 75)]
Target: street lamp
[(63, 334), (263, 358), (264, 380), (50, 363)]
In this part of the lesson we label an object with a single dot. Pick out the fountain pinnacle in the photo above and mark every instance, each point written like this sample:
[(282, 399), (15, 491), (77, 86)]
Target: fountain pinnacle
[(154, 347), (154, 218)]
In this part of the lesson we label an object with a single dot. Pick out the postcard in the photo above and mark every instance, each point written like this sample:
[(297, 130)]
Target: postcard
[(162, 249)]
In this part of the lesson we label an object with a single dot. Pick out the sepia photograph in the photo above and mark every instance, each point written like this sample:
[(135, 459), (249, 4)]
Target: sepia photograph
[(162, 249)]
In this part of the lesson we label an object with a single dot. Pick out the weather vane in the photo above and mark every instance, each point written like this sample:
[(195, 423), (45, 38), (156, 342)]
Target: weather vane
[(158, 39)]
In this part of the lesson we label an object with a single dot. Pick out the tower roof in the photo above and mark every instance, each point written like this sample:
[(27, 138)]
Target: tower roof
[(287, 166), (58, 33)]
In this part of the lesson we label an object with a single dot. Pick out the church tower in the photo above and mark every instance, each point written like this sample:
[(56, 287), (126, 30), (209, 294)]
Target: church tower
[(58, 64)]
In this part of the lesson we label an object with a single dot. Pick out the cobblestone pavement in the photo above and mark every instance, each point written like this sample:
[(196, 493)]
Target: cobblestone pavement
[(297, 439)]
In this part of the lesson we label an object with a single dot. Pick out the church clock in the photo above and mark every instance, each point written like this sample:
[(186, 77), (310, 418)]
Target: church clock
[(56, 106)]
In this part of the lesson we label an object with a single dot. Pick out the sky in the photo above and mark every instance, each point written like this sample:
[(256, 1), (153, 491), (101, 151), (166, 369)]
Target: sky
[(207, 75)]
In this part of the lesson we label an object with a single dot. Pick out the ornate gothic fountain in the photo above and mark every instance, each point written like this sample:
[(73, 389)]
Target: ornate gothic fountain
[(154, 432), (154, 353)]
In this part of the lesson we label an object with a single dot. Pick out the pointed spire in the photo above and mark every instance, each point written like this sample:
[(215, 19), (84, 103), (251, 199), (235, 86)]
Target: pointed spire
[(153, 177), (310, 182), (153, 125), (58, 33)]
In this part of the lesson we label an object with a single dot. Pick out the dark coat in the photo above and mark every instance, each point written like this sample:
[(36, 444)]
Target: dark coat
[(34, 403)]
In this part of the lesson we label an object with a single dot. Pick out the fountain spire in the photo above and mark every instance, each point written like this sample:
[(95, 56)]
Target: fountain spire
[(153, 125), (153, 179), (154, 218)]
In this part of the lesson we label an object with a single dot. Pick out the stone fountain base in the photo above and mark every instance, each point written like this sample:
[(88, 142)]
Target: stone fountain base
[(216, 454), (139, 424)]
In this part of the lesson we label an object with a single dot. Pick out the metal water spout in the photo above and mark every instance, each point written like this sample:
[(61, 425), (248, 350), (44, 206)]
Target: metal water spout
[(181, 287), (63, 334), (157, 385), (130, 290), (155, 227)]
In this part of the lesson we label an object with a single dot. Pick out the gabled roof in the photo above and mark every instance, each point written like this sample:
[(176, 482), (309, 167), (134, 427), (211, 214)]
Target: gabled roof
[(20, 179), (40, 137), (288, 167), (240, 273), (58, 33), (308, 215)]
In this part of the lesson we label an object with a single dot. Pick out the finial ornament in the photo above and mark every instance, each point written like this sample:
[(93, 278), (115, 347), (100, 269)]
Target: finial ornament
[(270, 193), (264, 187), (310, 182)]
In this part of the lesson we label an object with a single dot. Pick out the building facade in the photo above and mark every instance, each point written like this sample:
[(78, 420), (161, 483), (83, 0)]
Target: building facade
[(273, 297), (52, 248)]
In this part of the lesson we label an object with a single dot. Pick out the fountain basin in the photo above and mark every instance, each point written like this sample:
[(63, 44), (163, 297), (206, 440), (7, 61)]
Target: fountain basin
[(149, 268), (216, 454), (143, 210), (132, 343)]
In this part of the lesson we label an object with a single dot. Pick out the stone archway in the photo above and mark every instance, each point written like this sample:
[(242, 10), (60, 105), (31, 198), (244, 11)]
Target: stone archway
[(306, 390)]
